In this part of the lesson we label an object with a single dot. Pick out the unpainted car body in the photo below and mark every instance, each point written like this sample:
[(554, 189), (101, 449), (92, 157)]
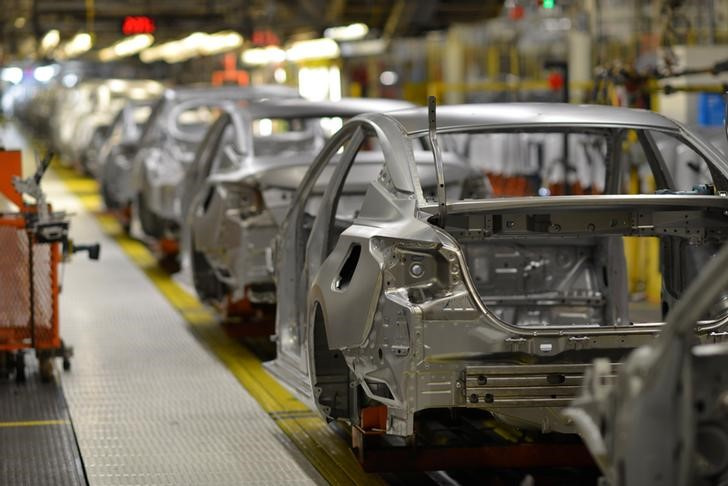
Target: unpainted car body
[(116, 154), (167, 148), (93, 104), (496, 304), (239, 187)]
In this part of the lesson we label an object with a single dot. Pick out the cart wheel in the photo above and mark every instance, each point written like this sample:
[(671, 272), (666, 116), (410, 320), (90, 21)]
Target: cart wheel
[(46, 369), (20, 367), (66, 353)]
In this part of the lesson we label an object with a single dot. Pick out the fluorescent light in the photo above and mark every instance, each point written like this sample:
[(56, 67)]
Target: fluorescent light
[(158, 52), (195, 44), (126, 47), (263, 55), (43, 74), (50, 40), (12, 75), (220, 42), (313, 49), (80, 43), (347, 32)]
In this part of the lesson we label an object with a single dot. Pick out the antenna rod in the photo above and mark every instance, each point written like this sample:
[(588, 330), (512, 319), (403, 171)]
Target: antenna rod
[(439, 171)]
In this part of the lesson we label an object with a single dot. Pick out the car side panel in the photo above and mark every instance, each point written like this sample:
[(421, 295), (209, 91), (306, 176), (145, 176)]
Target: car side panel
[(349, 309)]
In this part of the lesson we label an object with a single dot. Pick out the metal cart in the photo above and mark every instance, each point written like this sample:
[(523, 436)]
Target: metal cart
[(33, 242)]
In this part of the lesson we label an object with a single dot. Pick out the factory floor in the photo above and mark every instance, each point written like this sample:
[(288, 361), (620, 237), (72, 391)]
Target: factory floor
[(157, 392)]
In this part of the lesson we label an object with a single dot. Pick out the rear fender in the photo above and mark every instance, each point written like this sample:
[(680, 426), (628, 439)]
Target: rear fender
[(347, 287)]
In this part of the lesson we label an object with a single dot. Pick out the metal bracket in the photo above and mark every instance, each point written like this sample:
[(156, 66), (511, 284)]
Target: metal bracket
[(439, 171)]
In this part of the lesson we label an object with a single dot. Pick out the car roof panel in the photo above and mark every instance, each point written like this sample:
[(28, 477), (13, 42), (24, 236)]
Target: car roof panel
[(491, 115)]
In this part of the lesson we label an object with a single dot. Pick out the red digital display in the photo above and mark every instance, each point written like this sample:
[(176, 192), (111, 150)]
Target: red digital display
[(138, 24)]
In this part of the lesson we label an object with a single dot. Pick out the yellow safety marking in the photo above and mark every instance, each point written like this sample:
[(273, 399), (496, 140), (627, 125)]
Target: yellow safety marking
[(321, 446), (34, 423)]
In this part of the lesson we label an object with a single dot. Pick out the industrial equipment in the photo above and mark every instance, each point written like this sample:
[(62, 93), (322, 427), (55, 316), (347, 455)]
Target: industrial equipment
[(33, 243)]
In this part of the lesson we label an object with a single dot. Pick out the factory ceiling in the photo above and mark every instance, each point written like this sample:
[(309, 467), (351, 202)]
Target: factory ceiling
[(175, 18)]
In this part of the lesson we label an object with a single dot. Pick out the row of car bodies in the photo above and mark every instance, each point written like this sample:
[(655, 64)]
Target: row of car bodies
[(501, 306), (184, 184), (76, 120), (239, 190), (402, 277)]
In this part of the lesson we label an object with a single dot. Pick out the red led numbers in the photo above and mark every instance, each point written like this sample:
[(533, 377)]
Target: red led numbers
[(138, 24)]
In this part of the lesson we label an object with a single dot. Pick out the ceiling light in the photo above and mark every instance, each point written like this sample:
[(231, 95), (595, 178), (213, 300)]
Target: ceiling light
[(126, 47), (12, 75), (347, 32), (313, 49), (19, 22), (195, 44), (50, 40), (220, 42), (80, 43), (263, 55)]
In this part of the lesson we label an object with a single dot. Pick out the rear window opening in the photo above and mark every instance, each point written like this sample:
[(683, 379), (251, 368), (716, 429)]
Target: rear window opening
[(574, 161), (550, 274), (543, 270)]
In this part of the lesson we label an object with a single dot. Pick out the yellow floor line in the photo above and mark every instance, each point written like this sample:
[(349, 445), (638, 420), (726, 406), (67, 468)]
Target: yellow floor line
[(34, 423), (321, 446)]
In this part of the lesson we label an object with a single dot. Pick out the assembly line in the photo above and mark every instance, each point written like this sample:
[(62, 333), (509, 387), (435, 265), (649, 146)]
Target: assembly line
[(302, 268)]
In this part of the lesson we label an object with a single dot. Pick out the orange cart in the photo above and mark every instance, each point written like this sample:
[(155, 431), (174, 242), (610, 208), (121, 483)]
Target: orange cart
[(33, 242)]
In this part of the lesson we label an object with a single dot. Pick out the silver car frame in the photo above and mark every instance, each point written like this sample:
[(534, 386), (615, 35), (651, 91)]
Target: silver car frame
[(357, 325), (154, 184), (233, 214)]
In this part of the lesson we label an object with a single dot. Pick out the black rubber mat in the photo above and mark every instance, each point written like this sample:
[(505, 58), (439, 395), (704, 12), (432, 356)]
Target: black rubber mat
[(37, 443)]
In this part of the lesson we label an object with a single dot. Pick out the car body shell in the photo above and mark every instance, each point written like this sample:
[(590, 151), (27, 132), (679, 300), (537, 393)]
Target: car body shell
[(116, 154), (351, 316), (233, 239), (165, 152), (93, 104)]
